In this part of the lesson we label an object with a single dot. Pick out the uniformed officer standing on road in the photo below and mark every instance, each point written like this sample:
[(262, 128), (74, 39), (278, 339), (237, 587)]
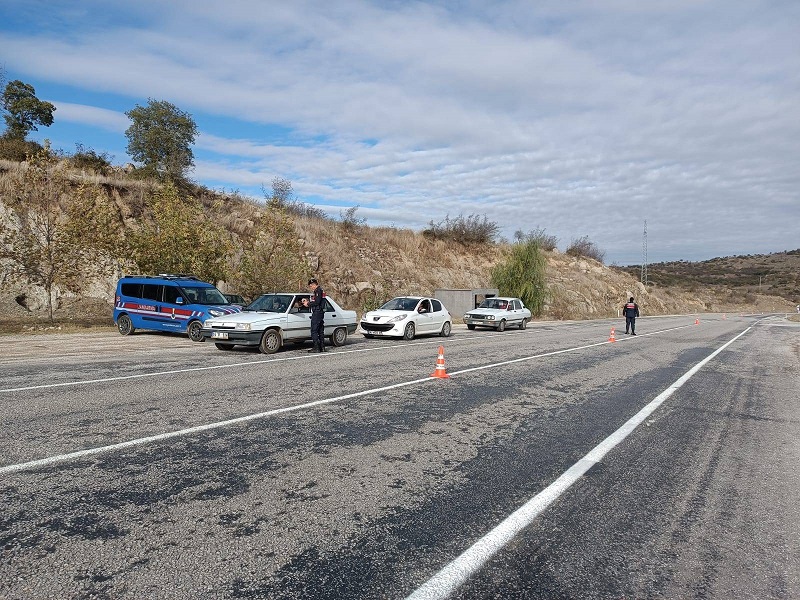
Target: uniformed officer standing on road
[(317, 304), (631, 311)]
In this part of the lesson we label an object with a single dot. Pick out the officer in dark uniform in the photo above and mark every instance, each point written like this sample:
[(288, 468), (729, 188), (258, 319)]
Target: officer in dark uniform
[(317, 305), (631, 311)]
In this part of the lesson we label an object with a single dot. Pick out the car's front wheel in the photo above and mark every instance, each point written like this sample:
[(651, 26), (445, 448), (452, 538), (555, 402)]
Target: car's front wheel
[(523, 324), (125, 325), (194, 331), (501, 326), (339, 336), (270, 342), (446, 328), (408, 332)]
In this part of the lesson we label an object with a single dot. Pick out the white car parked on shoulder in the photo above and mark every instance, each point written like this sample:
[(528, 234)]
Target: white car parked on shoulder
[(406, 317), (272, 319), (498, 313)]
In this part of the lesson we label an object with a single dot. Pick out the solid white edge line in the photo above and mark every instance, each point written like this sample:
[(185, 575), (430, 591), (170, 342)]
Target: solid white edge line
[(456, 573), (270, 413)]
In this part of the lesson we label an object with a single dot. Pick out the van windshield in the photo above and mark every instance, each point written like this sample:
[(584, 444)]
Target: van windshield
[(204, 295)]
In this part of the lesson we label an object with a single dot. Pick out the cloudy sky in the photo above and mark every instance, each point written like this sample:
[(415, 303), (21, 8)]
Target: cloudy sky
[(583, 117)]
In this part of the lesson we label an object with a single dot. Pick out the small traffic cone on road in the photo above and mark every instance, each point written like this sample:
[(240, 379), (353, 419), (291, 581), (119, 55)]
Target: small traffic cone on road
[(440, 371), (611, 337), (697, 321)]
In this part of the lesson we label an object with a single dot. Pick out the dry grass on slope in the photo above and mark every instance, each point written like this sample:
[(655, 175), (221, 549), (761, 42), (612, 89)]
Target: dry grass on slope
[(360, 264)]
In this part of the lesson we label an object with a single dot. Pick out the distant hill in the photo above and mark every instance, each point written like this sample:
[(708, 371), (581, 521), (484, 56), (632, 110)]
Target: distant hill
[(776, 274)]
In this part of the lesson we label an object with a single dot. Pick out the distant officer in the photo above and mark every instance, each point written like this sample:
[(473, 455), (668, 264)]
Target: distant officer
[(631, 311), (317, 304)]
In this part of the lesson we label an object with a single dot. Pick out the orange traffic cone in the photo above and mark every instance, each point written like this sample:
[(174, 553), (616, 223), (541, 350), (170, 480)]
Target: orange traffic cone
[(440, 370), (611, 337), (697, 321)]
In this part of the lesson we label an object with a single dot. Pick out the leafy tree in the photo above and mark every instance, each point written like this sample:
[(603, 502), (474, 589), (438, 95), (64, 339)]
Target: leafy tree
[(180, 238), (271, 258), (160, 138), (523, 275), (25, 110), (48, 233)]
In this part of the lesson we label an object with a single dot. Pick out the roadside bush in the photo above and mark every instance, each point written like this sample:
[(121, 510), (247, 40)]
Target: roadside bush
[(87, 159), (473, 229), (351, 223), (17, 150), (523, 275), (585, 248), (540, 236)]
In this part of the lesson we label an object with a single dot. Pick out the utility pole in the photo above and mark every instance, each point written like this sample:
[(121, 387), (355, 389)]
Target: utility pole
[(644, 255)]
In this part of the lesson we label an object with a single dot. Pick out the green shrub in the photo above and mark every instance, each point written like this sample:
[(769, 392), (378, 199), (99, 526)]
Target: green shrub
[(17, 150), (88, 159), (523, 275)]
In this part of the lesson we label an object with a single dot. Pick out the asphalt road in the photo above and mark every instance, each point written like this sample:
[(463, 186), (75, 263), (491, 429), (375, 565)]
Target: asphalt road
[(154, 467)]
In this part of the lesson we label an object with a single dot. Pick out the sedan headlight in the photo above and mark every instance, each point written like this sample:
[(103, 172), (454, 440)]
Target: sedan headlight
[(244, 326), (215, 313), (489, 317), (397, 319)]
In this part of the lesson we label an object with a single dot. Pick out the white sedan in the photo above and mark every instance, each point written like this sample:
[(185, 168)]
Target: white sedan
[(406, 317), (272, 319), (498, 313)]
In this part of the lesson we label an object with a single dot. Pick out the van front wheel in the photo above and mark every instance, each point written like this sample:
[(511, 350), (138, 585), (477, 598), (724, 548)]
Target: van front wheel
[(125, 325), (194, 331)]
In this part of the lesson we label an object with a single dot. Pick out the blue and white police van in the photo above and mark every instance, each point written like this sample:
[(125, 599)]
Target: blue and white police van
[(167, 302)]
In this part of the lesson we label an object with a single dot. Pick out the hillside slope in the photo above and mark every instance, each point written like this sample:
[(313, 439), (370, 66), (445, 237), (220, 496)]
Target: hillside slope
[(362, 266), (776, 274)]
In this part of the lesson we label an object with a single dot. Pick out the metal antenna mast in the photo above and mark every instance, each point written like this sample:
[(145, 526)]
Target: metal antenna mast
[(644, 254)]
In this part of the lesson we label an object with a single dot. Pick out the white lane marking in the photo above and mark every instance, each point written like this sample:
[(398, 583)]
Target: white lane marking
[(208, 368), (268, 360), (270, 413), (455, 574), (43, 462)]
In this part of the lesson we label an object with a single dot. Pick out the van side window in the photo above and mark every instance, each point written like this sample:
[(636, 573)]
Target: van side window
[(151, 292), (437, 306), (132, 290), (171, 294)]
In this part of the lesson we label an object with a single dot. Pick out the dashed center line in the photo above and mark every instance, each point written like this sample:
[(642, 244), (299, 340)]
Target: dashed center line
[(61, 458)]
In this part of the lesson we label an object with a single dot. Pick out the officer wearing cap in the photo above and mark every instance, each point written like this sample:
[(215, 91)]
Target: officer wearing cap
[(317, 305), (631, 311)]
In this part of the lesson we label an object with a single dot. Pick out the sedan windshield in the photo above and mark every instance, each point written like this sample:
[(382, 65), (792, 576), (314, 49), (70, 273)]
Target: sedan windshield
[(401, 304), (277, 303), (494, 303), (204, 295)]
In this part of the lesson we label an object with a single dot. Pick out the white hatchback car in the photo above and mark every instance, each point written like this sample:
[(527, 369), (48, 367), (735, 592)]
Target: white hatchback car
[(406, 317), (497, 313), (272, 319)]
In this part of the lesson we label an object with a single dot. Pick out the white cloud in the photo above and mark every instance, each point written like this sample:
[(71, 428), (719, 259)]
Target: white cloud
[(110, 120), (581, 117)]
